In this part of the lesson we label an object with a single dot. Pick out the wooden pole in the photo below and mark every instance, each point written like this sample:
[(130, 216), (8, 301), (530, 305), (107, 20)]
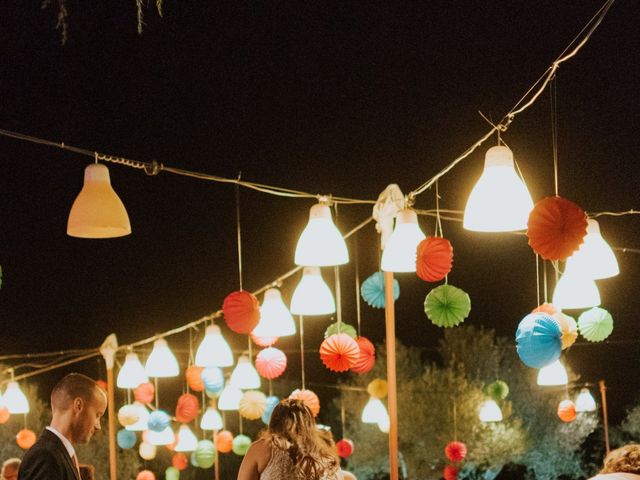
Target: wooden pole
[(605, 417), (111, 405), (390, 322)]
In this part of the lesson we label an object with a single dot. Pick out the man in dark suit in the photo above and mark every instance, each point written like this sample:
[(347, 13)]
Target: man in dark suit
[(77, 403)]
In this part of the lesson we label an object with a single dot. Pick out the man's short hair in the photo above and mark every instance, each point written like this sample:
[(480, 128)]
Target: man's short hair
[(11, 462), (74, 385)]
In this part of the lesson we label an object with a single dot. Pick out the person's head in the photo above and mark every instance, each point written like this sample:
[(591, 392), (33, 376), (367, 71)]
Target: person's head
[(624, 460), (292, 418), (10, 469), (78, 404)]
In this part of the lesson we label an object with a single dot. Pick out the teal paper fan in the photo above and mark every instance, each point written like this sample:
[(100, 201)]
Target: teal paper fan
[(596, 324), (447, 306), (340, 327), (372, 290)]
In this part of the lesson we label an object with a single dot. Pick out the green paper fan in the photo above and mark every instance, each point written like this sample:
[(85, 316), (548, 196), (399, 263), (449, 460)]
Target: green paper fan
[(498, 390), (447, 306), (596, 324), (340, 328)]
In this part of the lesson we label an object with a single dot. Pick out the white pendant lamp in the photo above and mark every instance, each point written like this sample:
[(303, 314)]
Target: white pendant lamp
[(399, 253), (14, 399), (211, 420), (187, 441), (312, 296), (214, 351), (165, 437), (374, 411), (245, 376), (230, 398), (384, 423), (97, 211), (585, 401), (161, 361), (490, 412), (594, 259), (321, 243), (142, 423), (132, 373), (275, 318), (575, 291), (500, 201), (552, 375)]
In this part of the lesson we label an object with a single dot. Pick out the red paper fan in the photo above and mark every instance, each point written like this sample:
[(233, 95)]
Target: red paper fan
[(264, 341), (271, 363), (434, 259), (309, 398), (345, 448), (194, 378), (556, 228), (179, 461), (224, 441), (144, 393), (450, 473), (187, 408), (241, 311), (339, 352), (366, 358), (455, 451)]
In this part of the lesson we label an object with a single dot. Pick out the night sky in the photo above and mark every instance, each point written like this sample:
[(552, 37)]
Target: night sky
[(324, 97)]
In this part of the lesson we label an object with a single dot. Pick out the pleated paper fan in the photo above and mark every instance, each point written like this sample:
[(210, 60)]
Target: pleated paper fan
[(434, 259), (309, 398), (538, 340), (340, 327), (498, 390), (447, 306), (339, 352), (252, 404), (455, 451), (366, 358), (271, 363), (372, 290), (595, 324)]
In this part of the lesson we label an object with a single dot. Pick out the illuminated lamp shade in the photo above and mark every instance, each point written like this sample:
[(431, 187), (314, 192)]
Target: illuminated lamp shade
[(144, 393), (275, 318), (180, 461), (264, 341), (499, 201), (447, 306), (223, 441), (187, 441), (321, 243), (575, 291), (568, 327), (455, 451), (187, 408), (340, 327), (143, 419), (241, 311), (158, 421), (15, 400), (567, 411), (245, 376), (132, 373), (372, 290), (161, 361), (146, 475), (25, 438), (147, 451), (172, 473), (595, 324), (344, 447), (538, 340), (126, 439), (585, 401), (490, 412), (498, 390), (205, 454), (553, 374), (271, 363), (384, 423), (272, 401), (165, 437), (312, 295), (97, 211), (450, 472), (434, 260), (241, 444), (309, 398), (252, 404), (211, 420), (230, 398), (366, 358), (373, 411), (594, 259), (214, 351), (378, 388), (193, 375), (339, 352), (128, 415), (399, 253), (556, 229)]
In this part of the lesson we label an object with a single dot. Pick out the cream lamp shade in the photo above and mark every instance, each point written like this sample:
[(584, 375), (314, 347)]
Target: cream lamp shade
[(187, 441), (15, 400), (321, 243), (552, 375), (399, 253), (384, 423), (132, 373), (165, 437), (143, 418), (490, 412), (214, 351), (500, 201), (575, 291), (245, 376), (312, 295), (230, 398), (374, 411), (161, 361), (97, 211), (275, 318), (211, 420), (594, 259), (585, 401)]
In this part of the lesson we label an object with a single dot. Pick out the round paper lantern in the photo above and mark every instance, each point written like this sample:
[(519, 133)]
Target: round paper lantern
[(172, 473), (345, 448), (567, 411), (547, 308), (25, 438), (367, 357), (262, 341), (434, 259), (595, 324), (447, 306), (556, 228), (213, 379), (252, 404), (340, 327), (271, 363), (126, 438), (128, 415), (158, 420), (450, 472), (144, 393), (103, 385), (4, 415), (498, 390), (193, 459), (339, 352), (146, 475), (455, 451), (309, 398), (147, 451), (205, 454), (241, 444), (194, 378), (372, 290), (538, 340), (272, 401), (568, 327), (241, 311), (179, 461), (224, 441), (187, 408), (378, 388)]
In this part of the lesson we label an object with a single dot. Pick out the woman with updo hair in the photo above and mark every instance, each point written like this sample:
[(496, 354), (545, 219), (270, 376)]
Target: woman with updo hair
[(621, 464)]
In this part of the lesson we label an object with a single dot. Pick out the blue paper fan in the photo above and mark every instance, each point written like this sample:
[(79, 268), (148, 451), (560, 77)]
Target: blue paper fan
[(372, 290)]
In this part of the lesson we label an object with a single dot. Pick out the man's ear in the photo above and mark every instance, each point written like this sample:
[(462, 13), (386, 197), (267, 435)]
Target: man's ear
[(78, 404)]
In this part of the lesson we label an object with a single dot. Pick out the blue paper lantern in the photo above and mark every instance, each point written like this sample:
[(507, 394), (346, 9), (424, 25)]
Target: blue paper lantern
[(126, 438), (213, 380), (538, 340), (372, 290), (158, 420), (272, 401)]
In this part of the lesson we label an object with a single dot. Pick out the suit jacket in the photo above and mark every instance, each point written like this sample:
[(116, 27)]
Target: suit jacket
[(48, 459)]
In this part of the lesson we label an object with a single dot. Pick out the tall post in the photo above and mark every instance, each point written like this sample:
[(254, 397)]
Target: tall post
[(108, 351), (605, 417), (390, 322)]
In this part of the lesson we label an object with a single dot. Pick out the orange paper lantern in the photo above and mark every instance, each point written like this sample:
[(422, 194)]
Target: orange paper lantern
[(144, 393), (146, 475), (271, 363), (187, 408), (547, 308), (194, 378), (367, 357), (434, 259), (339, 352), (264, 341), (556, 228), (309, 398), (224, 441), (241, 311), (4, 415), (180, 461), (25, 438), (567, 411)]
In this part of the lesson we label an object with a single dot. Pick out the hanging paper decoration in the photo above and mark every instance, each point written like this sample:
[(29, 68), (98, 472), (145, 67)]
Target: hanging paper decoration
[(272, 401), (595, 324), (4, 415), (450, 472), (144, 393), (194, 378), (340, 327), (378, 388), (128, 415), (146, 475), (498, 390), (309, 398), (447, 306), (271, 363), (224, 441), (339, 352), (103, 385), (345, 448), (147, 451), (538, 340), (205, 454), (187, 408), (547, 308), (252, 404), (556, 228), (263, 341), (179, 461), (434, 260), (568, 327), (455, 451), (172, 473), (367, 357), (372, 290), (158, 421), (241, 311), (567, 411), (126, 439), (213, 379), (25, 438), (241, 445)]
